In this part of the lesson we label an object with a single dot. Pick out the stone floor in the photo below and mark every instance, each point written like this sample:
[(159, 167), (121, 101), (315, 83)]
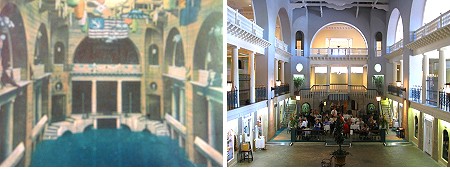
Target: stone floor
[(362, 155)]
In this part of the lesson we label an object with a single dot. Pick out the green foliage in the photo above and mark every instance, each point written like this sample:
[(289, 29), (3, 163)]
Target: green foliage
[(293, 121), (298, 82), (339, 137), (378, 81)]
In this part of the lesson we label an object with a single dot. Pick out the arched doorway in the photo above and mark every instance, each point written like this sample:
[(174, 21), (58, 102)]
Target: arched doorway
[(41, 54)]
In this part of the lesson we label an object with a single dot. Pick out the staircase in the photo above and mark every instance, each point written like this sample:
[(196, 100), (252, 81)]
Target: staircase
[(290, 109), (51, 131), (386, 110)]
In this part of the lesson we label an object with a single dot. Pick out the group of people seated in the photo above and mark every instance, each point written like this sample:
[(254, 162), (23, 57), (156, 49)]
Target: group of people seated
[(324, 124)]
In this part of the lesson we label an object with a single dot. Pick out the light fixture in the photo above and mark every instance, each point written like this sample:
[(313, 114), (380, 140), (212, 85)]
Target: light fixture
[(229, 86), (297, 97), (399, 83), (447, 88), (324, 103), (378, 98), (278, 83)]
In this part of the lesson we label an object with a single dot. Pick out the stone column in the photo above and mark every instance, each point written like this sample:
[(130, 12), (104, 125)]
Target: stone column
[(442, 68), (235, 72), (119, 96), (282, 72), (8, 128), (182, 110), (425, 70), (328, 77), (349, 77), (276, 71), (252, 77), (401, 71), (94, 97), (211, 124), (175, 102), (394, 72)]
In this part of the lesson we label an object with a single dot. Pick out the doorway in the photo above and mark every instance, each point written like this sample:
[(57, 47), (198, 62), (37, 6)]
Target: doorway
[(106, 97), (58, 109), (428, 136), (153, 108)]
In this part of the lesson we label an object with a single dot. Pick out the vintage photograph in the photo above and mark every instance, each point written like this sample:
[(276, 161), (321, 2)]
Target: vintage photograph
[(111, 83)]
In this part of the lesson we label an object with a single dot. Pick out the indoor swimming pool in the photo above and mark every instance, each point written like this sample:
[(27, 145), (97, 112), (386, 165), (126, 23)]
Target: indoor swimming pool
[(109, 147)]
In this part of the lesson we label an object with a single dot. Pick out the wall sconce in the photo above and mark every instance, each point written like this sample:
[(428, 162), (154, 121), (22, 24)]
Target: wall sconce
[(378, 98), (325, 103), (278, 83), (297, 97), (447, 88), (229, 86), (399, 83)]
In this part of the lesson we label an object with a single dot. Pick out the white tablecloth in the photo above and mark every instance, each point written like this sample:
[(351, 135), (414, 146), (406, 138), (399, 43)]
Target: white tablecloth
[(354, 127), (259, 143)]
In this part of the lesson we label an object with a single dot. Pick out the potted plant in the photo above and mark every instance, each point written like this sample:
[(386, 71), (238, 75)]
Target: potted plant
[(384, 125), (293, 122), (378, 81), (298, 82), (339, 154)]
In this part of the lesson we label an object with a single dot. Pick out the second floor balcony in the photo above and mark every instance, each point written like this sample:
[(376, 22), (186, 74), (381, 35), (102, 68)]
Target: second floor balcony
[(244, 97), (395, 47), (339, 54)]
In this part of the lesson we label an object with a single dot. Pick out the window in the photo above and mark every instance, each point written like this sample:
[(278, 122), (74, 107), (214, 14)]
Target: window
[(59, 53), (445, 145), (153, 55), (416, 126), (379, 40)]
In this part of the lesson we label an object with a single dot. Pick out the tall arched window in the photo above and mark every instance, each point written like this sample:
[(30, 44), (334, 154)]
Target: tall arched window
[(379, 42), (153, 53), (416, 126), (59, 53), (445, 145), (299, 43)]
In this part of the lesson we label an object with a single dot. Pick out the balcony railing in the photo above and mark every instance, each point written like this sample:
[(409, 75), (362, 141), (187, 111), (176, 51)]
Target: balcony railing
[(280, 90), (232, 99), (322, 91), (397, 91), (379, 53), (416, 94), (444, 101), (432, 91), (261, 93), (339, 51), (281, 45), (233, 16), (106, 68), (394, 47), (299, 52), (432, 26)]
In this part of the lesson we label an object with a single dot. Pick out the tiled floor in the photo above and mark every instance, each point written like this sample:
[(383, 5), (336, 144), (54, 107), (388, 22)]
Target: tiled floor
[(362, 155)]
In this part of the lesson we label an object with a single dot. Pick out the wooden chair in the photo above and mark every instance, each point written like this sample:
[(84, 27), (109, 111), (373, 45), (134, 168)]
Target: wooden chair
[(246, 152)]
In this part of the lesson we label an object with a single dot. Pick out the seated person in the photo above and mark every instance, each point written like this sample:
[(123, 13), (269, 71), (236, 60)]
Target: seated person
[(317, 125), (326, 125)]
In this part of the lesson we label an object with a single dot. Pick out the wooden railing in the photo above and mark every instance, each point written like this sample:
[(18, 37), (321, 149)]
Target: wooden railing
[(441, 21), (233, 16)]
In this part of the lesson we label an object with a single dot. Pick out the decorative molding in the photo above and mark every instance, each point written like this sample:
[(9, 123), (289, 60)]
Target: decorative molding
[(237, 31), (394, 54)]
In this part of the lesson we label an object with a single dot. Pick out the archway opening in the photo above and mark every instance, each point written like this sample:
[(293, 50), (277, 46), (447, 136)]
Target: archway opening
[(41, 47), (174, 52), (121, 51), (339, 35)]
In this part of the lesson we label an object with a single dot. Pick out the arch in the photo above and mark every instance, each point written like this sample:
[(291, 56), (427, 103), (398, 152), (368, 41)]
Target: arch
[(348, 24), (153, 43), (174, 52), (41, 53), (300, 37), (121, 51), (153, 54), (416, 126), (17, 37), (209, 45), (392, 26), (445, 144), (285, 25), (416, 16), (59, 53), (263, 18)]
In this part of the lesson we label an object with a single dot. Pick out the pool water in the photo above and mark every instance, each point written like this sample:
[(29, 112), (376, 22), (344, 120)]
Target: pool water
[(109, 147)]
